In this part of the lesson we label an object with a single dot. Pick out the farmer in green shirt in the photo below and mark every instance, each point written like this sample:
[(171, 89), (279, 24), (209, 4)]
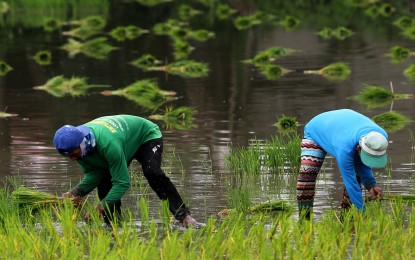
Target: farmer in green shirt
[(104, 148)]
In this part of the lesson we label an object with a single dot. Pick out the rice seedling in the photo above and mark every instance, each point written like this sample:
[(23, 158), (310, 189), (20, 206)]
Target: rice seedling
[(386, 10), (399, 53), (94, 22), (372, 11), (335, 71), (269, 55), (180, 118), (263, 207), (182, 49), (391, 121), (152, 3), (184, 68), (224, 11), (43, 57), (51, 24), (200, 35), (246, 22), (82, 33), (145, 61), (374, 96), (167, 27), (187, 12), (33, 200), (60, 86), (410, 72), (97, 48), (143, 92), (339, 33), (122, 33), (399, 197), (409, 32), (287, 124), (273, 71), (4, 68), (289, 23), (404, 22)]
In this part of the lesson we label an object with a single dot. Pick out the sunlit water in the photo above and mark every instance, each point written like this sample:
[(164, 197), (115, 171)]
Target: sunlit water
[(235, 104)]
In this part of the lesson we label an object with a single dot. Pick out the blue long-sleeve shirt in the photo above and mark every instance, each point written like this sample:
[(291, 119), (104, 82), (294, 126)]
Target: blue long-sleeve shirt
[(338, 132)]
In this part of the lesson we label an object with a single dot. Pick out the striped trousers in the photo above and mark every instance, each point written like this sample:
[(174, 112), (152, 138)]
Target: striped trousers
[(312, 158)]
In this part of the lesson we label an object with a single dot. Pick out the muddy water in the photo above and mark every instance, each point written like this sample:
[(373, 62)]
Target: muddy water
[(235, 105)]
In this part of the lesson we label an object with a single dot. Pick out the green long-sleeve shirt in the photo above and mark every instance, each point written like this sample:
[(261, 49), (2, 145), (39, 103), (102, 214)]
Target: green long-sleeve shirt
[(117, 140)]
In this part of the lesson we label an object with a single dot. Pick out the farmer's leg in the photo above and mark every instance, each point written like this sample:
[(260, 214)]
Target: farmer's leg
[(312, 157), (150, 156), (346, 204), (112, 212)]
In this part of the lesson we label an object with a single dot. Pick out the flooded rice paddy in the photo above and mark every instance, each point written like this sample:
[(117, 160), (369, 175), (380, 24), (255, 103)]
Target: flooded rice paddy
[(236, 104)]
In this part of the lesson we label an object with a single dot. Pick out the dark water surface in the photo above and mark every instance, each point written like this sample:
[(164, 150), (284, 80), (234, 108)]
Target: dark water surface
[(235, 104)]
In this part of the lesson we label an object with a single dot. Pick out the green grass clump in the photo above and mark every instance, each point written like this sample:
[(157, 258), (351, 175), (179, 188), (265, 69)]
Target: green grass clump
[(374, 96), (97, 48), (392, 121), (399, 53), (60, 86), (4, 68), (145, 93), (180, 118), (335, 71), (33, 200), (123, 33), (43, 57), (184, 68)]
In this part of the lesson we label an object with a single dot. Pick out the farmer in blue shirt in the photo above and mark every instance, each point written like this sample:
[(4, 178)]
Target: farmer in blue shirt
[(357, 144)]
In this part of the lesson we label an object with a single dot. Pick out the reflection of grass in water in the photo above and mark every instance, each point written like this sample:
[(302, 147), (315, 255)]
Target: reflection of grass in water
[(373, 96), (4, 68), (97, 48), (184, 68), (180, 118), (60, 86), (392, 121), (32, 14), (335, 71)]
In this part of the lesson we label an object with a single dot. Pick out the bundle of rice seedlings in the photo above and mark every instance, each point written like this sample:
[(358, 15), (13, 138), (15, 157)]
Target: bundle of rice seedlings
[(273, 71), (246, 22), (96, 48), (93, 22), (268, 206), (404, 22), (51, 24), (43, 57), (201, 35), (3, 114), (4, 68), (289, 22), (374, 96), (167, 27), (60, 86), (187, 12), (122, 33), (335, 71), (151, 3), (224, 11), (182, 49), (143, 92), (410, 72), (287, 124), (180, 118), (339, 33), (145, 61), (399, 53), (391, 121), (33, 200), (184, 68)]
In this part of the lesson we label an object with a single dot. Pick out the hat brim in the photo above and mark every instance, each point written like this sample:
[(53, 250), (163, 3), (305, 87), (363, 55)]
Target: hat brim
[(84, 129), (373, 161)]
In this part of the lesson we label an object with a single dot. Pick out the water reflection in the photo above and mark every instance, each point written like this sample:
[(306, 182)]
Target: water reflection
[(235, 104)]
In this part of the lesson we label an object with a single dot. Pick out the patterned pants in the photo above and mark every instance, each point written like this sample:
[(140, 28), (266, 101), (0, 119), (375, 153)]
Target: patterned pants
[(312, 158)]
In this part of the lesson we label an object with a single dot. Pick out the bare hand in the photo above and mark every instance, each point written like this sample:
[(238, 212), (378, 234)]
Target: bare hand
[(375, 193), (76, 200)]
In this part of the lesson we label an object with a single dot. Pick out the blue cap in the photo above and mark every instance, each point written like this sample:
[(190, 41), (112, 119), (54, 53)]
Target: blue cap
[(68, 138)]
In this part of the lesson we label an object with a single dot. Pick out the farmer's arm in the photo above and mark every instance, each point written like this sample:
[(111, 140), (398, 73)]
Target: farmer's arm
[(89, 182), (346, 167), (368, 180), (120, 177)]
